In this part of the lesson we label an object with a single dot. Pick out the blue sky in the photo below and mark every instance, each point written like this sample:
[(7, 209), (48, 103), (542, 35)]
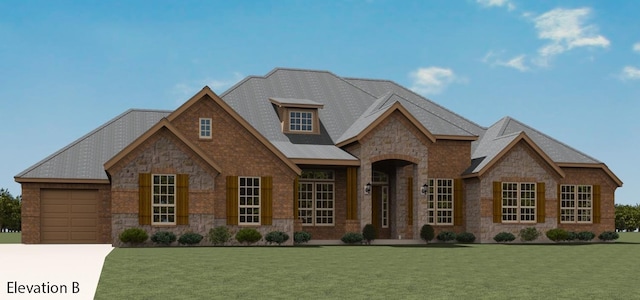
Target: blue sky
[(570, 69)]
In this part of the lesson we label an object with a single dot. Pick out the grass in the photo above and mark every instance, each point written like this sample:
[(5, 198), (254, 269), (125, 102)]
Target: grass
[(376, 272), (10, 238)]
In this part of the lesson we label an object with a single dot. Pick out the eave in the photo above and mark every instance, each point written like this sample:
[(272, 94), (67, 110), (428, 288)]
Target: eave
[(594, 166)]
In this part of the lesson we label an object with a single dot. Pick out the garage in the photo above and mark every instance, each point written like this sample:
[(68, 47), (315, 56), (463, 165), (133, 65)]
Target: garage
[(69, 216)]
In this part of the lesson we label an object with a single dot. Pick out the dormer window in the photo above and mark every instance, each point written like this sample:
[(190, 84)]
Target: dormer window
[(300, 121), (205, 128), (298, 116)]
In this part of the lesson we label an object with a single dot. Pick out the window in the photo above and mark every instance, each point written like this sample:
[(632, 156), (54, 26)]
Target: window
[(576, 202), (316, 197), (440, 202), (205, 128), (249, 200), (163, 206), (300, 121), (385, 206), (518, 202)]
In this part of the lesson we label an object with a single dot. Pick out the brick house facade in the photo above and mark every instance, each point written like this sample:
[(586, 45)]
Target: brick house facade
[(308, 150)]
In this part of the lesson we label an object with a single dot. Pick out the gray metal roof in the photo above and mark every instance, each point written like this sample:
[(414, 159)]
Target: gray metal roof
[(292, 101), (85, 157), (308, 151)]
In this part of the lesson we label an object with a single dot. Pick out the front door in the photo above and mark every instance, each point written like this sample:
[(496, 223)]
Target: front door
[(380, 204)]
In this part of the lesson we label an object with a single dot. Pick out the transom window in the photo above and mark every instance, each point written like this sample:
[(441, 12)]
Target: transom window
[(316, 192), (163, 205), (518, 202), (249, 200), (205, 128), (440, 202), (576, 202), (300, 121)]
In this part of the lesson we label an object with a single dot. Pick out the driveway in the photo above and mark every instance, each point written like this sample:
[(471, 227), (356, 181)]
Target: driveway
[(50, 271)]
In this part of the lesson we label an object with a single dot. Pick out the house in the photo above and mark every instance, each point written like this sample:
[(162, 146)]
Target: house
[(309, 150)]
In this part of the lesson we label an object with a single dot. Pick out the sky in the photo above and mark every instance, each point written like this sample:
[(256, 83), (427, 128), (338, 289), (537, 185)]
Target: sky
[(570, 69)]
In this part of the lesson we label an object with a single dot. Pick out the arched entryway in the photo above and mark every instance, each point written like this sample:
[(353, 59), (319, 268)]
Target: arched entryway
[(391, 197)]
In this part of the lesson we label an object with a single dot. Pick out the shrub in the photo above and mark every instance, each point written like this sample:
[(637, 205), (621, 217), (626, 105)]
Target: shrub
[(300, 237), (369, 233), (190, 238), (586, 236), (134, 236), (163, 238), (219, 235), (557, 234), (529, 234), (352, 238), (572, 236), (465, 237), (445, 236), (504, 237), (427, 233), (609, 236), (277, 237), (248, 235)]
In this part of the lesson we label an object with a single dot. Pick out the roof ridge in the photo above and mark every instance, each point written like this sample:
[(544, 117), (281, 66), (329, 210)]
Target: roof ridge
[(70, 145), (553, 139)]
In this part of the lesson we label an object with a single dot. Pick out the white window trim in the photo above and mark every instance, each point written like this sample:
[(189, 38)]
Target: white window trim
[(153, 194), (259, 206), (519, 204), (575, 208), (201, 131), (432, 196), (301, 112)]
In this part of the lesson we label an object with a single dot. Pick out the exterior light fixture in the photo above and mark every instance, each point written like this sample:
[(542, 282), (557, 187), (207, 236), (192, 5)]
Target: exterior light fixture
[(367, 188), (424, 189)]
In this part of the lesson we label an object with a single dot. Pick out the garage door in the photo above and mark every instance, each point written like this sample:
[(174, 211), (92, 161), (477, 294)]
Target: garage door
[(69, 216)]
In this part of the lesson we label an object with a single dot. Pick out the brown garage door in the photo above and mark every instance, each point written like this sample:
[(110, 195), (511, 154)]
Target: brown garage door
[(68, 216)]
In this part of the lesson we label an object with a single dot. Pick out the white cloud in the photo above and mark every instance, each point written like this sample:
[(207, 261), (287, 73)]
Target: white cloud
[(565, 29), (517, 62), (636, 47), (630, 73), (497, 3), (431, 80), (184, 90)]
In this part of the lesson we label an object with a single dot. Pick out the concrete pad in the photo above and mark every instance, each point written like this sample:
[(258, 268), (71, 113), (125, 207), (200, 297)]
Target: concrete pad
[(55, 271)]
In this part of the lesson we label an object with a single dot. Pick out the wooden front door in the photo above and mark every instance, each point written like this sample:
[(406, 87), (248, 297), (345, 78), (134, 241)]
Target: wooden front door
[(380, 211)]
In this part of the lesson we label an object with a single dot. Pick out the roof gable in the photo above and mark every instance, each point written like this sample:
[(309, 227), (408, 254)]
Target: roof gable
[(164, 123)]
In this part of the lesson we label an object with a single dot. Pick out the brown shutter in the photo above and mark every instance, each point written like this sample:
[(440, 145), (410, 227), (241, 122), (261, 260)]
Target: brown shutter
[(596, 204), (352, 193), (540, 202), (559, 192), (266, 207), (497, 202), (296, 187), (409, 200), (144, 199), (457, 202), (232, 200), (182, 205)]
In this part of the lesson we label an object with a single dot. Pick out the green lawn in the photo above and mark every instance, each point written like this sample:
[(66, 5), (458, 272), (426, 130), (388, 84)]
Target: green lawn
[(10, 238), (591, 271)]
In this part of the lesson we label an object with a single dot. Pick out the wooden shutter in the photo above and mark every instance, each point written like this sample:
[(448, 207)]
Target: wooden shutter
[(457, 202), (232, 200), (182, 197), (559, 195), (352, 193), (540, 202), (296, 187), (410, 201), (144, 199), (596, 204), (497, 202), (266, 205)]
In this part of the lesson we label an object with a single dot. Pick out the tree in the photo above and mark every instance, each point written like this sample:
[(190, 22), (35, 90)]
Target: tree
[(627, 217), (10, 207)]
